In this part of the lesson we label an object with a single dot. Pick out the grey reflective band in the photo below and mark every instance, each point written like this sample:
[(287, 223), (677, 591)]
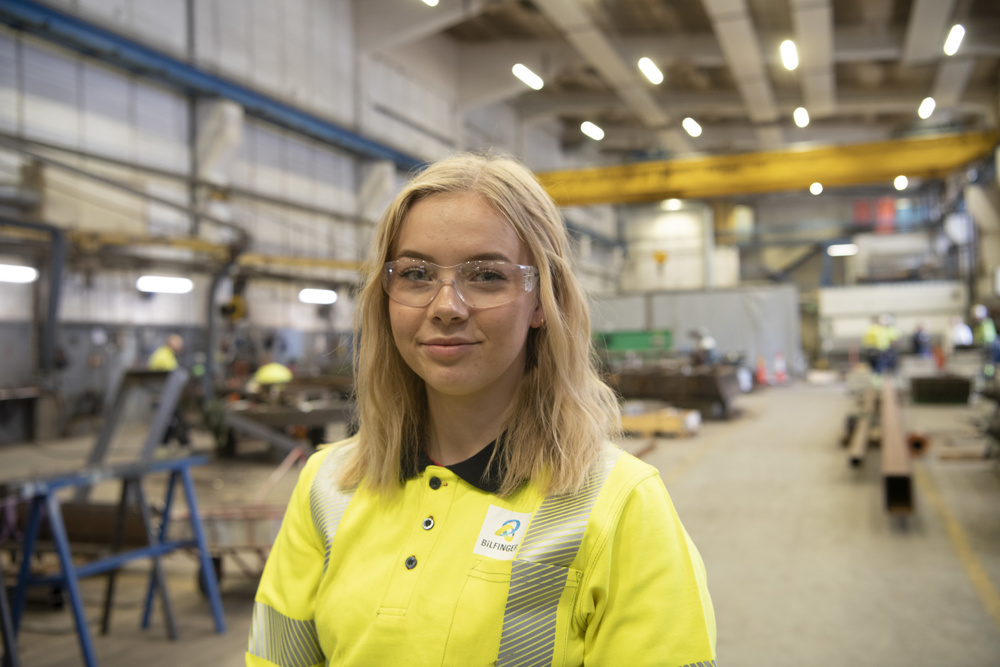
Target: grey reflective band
[(538, 574), (327, 502), (283, 641)]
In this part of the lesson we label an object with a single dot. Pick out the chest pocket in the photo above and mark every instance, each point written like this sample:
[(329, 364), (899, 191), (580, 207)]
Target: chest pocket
[(527, 596)]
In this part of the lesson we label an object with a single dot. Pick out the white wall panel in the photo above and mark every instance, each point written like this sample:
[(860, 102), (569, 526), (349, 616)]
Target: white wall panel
[(51, 94), (298, 61), (106, 112), (16, 299), (266, 33), (397, 108), (163, 22), (10, 106), (161, 128)]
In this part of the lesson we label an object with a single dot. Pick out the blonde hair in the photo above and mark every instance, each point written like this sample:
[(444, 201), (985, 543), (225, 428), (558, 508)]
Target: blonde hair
[(562, 413)]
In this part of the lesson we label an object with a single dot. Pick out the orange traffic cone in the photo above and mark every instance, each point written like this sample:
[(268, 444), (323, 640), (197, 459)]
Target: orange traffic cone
[(761, 378), (780, 370)]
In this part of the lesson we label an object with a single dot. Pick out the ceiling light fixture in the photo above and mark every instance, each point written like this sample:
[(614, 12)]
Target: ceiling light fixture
[(816, 188), (691, 126), (323, 297), (789, 54), (164, 284), (651, 71), (671, 204), (530, 78), (14, 273), (801, 117), (954, 39), (926, 108), (842, 250), (591, 130), (900, 183), (431, 3)]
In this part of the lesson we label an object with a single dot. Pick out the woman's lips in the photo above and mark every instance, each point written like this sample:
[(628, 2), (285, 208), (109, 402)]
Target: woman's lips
[(448, 349)]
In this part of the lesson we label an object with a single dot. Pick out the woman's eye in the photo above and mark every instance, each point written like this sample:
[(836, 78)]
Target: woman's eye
[(415, 274), (488, 276)]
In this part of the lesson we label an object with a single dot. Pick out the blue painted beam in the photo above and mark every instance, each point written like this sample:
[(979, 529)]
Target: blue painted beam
[(96, 42)]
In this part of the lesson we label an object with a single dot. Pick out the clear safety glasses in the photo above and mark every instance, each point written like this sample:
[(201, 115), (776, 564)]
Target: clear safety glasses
[(479, 283)]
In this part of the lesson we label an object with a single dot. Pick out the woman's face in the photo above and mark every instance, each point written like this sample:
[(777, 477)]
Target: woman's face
[(459, 351)]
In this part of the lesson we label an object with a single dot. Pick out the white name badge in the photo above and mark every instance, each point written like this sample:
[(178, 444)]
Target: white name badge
[(501, 533)]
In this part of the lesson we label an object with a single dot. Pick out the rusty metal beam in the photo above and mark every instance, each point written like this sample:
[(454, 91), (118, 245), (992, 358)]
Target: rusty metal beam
[(770, 171)]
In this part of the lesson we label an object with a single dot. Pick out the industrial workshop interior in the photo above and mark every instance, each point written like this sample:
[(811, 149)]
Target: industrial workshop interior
[(785, 215)]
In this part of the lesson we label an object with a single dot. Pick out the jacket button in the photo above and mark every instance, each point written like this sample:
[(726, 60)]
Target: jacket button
[(428, 523), (411, 562), (435, 483)]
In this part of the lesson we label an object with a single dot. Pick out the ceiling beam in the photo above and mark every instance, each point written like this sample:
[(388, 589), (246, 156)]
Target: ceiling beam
[(579, 29), (737, 36), (833, 166), (926, 30), (380, 25), (813, 21)]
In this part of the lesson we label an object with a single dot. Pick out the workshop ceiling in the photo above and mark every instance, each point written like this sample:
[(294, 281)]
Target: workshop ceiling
[(865, 66)]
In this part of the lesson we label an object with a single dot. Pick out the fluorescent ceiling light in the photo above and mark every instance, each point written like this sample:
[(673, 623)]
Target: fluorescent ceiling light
[(651, 71), (801, 117), (816, 188), (900, 183), (13, 273), (529, 77), (926, 107), (164, 284), (591, 130), (323, 297), (842, 250), (789, 54), (671, 204), (691, 126), (954, 39), (431, 3)]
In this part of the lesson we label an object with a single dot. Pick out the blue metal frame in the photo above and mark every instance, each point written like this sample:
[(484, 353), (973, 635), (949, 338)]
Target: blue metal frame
[(93, 41), (43, 495)]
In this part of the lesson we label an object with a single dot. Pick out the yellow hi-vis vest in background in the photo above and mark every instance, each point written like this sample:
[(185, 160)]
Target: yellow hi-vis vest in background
[(162, 359), (445, 573)]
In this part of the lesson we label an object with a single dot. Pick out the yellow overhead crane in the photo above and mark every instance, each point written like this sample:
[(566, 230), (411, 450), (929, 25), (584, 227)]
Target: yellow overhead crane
[(770, 171)]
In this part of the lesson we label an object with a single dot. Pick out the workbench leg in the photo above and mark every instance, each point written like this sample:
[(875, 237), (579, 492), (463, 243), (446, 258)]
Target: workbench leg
[(27, 551), (211, 583), (69, 577), (147, 608), (156, 576), (10, 655), (116, 545)]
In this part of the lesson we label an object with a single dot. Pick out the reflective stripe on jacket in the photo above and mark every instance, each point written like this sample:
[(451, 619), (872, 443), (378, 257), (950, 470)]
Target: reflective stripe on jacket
[(447, 574)]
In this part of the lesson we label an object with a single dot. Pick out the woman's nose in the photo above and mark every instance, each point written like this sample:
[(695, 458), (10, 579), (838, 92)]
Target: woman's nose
[(448, 303)]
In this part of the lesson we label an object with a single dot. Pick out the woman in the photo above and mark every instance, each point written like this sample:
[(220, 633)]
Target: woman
[(480, 516)]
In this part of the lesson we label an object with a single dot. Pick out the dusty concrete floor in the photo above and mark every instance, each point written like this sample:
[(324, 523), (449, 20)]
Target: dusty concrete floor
[(805, 567)]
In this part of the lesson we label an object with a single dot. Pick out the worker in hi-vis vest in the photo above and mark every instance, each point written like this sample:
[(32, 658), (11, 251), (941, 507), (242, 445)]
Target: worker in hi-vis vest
[(481, 515), (984, 335), (164, 358)]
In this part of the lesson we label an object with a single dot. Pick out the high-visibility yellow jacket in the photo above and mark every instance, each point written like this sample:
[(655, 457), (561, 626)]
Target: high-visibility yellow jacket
[(877, 337), (162, 359), (448, 573)]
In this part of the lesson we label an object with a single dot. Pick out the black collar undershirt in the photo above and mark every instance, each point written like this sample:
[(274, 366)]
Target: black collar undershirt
[(475, 470)]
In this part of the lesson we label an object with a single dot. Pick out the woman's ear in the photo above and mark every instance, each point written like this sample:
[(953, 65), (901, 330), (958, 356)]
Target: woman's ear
[(537, 317)]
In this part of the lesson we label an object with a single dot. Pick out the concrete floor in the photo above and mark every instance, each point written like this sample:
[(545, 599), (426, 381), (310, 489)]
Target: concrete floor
[(805, 567)]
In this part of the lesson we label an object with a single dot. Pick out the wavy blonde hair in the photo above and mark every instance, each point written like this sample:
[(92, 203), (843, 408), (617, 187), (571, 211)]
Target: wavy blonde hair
[(562, 413)]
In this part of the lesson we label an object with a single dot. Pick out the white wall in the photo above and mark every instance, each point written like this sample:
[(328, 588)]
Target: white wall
[(682, 236)]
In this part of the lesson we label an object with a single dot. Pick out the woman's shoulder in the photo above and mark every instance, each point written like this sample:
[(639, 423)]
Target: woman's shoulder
[(627, 468), (330, 456)]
